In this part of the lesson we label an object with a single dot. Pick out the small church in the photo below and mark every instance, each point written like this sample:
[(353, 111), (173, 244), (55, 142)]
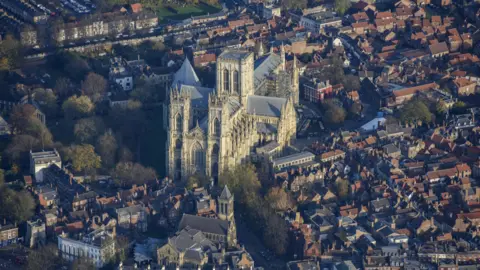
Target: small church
[(212, 129)]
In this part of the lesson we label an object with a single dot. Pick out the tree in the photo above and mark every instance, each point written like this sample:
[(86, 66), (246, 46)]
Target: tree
[(335, 72), (279, 199), (83, 157), (107, 148), (341, 6), (351, 82), (10, 53), (2, 177), (197, 180), (459, 107), (16, 206), (294, 4), (94, 86), (20, 117), (146, 93), (86, 130), (78, 107), (275, 233), (83, 263), (45, 258), (356, 108), (127, 173), (342, 186), (21, 144), (63, 87), (333, 113), (415, 110), (242, 181), (47, 100), (441, 107)]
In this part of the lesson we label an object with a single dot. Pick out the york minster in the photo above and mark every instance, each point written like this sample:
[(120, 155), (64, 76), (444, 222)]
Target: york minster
[(253, 105)]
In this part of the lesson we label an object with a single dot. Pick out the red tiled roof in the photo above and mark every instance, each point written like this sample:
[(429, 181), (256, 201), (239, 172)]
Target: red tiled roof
[(440, 47), (414, 89), (137, 7)]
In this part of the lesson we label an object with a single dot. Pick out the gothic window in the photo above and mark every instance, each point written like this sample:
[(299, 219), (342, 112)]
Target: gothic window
[(215, 150), (216, 127), (178, 164), (179, 123), (178, 144), (236, 83), (226, 80), (198, 157)]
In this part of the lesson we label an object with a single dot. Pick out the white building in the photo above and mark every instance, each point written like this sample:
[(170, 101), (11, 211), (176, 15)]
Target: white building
[(39, 161), (98, 246)]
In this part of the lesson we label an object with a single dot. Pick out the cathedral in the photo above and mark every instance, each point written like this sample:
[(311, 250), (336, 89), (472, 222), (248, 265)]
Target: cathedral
[(253, 104)]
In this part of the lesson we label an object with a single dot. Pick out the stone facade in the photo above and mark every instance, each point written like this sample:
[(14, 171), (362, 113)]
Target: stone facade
[(211, 134)]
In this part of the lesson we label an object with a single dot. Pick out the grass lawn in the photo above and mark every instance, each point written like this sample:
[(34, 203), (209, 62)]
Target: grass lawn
[(182, 13)]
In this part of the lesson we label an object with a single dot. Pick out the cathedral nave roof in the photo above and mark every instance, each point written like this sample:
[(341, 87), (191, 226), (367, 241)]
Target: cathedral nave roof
[(264, 66), (265, 106)]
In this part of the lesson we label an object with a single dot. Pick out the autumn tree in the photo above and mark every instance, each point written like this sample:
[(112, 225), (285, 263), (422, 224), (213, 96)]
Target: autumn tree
[(341, 6), (83, 158), (45, 258), (275, 233), (128, 173), (342, 187), (197, 180), (25, 122), (86, 130), (83, 263), (279, 199), (441, 107), (78, 107), (63, 87), (334, 113), (16, 206), (107, 148), (10, 53), (21, 144), (94, 86), (294, 4), (351, 83)]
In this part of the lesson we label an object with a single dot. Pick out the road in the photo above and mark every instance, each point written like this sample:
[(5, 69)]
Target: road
[(254, 246)]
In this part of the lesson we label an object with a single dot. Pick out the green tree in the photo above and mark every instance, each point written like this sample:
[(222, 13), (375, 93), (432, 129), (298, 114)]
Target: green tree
[(441, 107), (459, 107), (197, 180), (86, 130), (128, 173), (94, 86), (294, 4), (335, 71), (107, 147), (341, 6), (83, 158), (242, 181), (146, 93), (16, 206), (275, 233), (333, 112), (47, 100), (279, 199), (78, 107), (415, 110)]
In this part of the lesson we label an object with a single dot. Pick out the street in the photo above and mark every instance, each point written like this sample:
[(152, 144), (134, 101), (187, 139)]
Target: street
[(254, 246)]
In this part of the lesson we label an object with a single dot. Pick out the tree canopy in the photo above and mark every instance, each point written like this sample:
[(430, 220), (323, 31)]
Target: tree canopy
[(16, 206), (341, 6), (94, 86), (83, 157), (279, 199), (107, 148), (87, 130), (128, 173), (415, 110), (78, 107), (333, 112)]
